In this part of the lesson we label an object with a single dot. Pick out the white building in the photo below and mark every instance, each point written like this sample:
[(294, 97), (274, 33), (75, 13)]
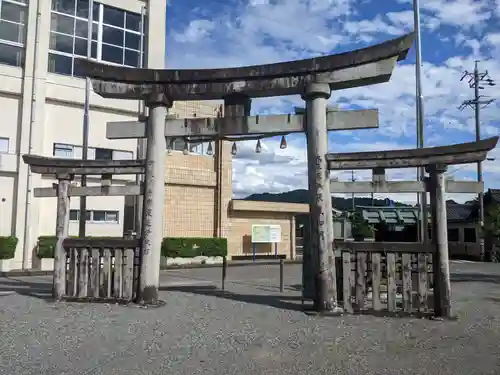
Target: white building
[(42, 98)]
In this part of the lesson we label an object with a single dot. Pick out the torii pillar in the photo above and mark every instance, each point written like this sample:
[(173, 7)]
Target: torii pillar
[(154, 198), (316, 96)]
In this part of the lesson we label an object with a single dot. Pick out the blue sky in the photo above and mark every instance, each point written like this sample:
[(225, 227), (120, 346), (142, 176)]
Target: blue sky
[(455, 33)]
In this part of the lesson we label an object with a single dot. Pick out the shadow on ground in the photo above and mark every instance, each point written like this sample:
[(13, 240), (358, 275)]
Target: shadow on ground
[(292, 303), (475, 277), (26, 288)]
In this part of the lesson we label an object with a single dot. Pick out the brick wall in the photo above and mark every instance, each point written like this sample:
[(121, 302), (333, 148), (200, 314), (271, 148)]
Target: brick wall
[(189, 195), (239, 240), (198, 196), (191, 183), (190, 109)]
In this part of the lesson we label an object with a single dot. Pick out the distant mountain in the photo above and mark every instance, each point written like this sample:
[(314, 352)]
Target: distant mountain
[(301, 196)]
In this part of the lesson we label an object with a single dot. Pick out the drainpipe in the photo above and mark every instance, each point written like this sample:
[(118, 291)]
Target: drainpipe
[(27, 208)]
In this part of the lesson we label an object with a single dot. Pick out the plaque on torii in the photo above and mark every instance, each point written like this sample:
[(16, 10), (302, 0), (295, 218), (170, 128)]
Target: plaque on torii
[(314, 79)]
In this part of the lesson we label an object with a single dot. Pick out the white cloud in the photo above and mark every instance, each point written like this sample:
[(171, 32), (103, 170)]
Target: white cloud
[(461, 13), (258, 2), (404, 19), (196, 30), (455, 34)]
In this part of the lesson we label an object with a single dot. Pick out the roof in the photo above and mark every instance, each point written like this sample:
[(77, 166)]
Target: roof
[(495, 194), (409, 215), (459, 212)]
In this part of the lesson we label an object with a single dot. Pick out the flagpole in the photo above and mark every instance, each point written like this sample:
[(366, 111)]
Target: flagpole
[(421, 198), (85, 144)]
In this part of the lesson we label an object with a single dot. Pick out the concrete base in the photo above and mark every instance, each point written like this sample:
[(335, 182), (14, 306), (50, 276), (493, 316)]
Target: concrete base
[(5, 265), (399, 297), (43, 264), (164, 262)]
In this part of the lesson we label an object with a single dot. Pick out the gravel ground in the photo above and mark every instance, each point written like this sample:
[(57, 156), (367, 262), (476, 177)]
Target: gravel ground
[(253, 329)]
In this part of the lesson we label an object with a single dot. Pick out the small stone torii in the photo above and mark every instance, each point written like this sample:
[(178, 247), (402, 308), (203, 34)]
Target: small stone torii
[(435, 160), (314, 79)]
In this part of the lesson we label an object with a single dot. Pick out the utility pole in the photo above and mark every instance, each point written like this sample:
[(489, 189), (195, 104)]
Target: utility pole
[(478, 81), (421, 198), (141, 142), (85, 144), (353, 204)]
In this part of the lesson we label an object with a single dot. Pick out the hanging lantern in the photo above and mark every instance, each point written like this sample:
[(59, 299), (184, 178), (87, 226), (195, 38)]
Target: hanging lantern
[(186, 147), (210, 151), (283, 142), (258, 147), (234, 149)]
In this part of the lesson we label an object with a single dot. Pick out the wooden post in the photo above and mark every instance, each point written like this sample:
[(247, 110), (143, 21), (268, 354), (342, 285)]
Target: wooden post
[(282, 281), (440, 261), (62, 226), (224, 272)]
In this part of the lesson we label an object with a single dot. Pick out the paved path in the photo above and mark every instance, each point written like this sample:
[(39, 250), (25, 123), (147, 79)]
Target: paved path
[(251, 330)]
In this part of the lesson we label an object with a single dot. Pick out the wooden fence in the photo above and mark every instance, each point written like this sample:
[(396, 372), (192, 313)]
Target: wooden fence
[(377, 276), (106, 269)]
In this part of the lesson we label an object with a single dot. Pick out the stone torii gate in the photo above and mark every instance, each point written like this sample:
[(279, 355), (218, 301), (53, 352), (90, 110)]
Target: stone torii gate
[(436, 161), (313, 79)]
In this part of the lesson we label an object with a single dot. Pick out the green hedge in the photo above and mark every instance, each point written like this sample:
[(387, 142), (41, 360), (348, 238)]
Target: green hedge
[(189, 247), (8, 247), (47, 245), (172, 247)]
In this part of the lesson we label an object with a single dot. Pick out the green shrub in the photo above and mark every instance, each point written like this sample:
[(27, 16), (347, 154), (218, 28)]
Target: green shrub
[(47, 245), (173, 247), (8, 247), (360, 229), (189, 247)]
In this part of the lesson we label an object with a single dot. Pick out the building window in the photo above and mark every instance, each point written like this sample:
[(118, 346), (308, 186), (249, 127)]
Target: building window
[(64, 150), (94, 216), (116, 36), (453, 235), (4, 145), (109, 154), (470, 235), (13, 17), (122, 155), (199, 148), (74, 215), (103, 154)]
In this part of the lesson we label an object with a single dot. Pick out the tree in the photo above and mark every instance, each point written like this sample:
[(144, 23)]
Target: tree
[(492, 221), (360, 228), (491, 231)]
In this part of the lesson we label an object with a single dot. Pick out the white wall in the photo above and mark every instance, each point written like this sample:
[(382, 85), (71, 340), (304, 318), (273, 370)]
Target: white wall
[(6, 204), (57, 117)]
